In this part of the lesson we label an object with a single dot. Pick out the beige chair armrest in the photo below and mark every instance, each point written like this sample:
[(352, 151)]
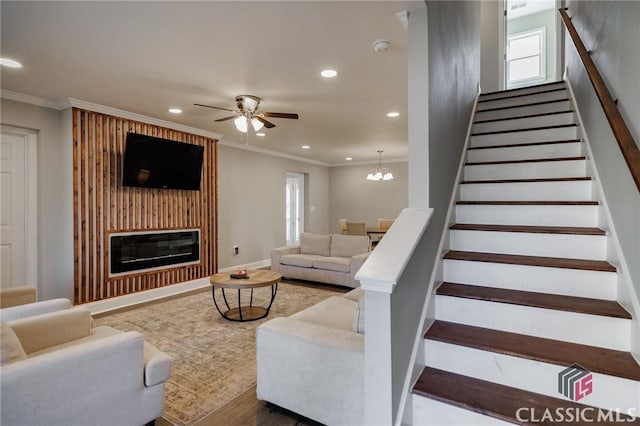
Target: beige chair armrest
[(32, 309), (43, 331), (157, 366), (17, 296), (277, 253), (356, 264)]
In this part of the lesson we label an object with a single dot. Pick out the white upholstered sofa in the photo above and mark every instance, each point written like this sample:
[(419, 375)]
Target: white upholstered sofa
[(331, 259), (312, 362), (58, 370)]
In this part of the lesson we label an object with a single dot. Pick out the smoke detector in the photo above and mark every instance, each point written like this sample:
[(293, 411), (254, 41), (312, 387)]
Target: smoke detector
[(381, 45)]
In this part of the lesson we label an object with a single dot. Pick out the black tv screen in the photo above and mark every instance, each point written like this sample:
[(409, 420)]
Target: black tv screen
[(161, 163)]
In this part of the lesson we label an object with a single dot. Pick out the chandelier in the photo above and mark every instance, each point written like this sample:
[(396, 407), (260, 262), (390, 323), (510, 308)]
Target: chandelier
[(242, 123), (380, 173)]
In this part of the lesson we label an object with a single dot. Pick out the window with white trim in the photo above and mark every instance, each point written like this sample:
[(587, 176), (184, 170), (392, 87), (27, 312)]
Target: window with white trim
[(526, 58)]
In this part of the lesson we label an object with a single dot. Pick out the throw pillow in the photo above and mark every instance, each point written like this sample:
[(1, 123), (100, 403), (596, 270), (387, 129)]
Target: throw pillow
[(358, 319), (10, 346)]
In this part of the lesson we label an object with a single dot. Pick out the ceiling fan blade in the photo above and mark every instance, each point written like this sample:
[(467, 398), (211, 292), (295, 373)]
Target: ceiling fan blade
[(280, 115), (226, 118), (215, 107), (266, 123)]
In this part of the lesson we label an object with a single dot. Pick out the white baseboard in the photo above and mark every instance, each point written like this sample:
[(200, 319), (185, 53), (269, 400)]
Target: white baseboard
[(130, 300)]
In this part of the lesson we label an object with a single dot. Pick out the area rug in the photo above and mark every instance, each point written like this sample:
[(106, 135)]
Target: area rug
[(214, 360)]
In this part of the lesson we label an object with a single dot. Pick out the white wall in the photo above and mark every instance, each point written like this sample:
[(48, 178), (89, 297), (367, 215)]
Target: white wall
[(251, 203), (354, 197), (55, 194), (491, 63)]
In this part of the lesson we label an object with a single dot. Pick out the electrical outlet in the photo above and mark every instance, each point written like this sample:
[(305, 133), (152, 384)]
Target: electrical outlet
[(236, 250)]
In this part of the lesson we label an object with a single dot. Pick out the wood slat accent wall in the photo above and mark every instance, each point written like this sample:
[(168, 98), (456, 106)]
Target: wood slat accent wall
[(101, 205)]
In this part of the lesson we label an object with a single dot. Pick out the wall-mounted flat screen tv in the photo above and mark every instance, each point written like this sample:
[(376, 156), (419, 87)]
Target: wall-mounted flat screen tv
[(161, 163)]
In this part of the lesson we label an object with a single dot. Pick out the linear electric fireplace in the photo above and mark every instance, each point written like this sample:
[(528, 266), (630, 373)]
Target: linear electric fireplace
[(137, 251)]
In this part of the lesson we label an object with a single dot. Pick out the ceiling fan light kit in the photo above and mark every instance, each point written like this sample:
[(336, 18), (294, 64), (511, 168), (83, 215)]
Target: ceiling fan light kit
[(248, 112), (380, 173)]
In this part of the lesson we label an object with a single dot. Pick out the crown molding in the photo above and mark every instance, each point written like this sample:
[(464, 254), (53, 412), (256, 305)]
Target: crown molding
[(79, 103), (372, 162), (247, 147), (30, 99)]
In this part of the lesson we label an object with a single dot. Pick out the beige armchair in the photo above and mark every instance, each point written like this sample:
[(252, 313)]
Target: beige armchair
[(57, 370)]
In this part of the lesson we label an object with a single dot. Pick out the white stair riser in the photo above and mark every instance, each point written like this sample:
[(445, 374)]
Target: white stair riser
[(525, 110), (568, 282), (528, 152), (525, 90), (525, 123), (538, 170), (523, 100), (525, 136), (609, 392), (591, 330), (534, 215), (529, 244), (527, 191), (427, 411)]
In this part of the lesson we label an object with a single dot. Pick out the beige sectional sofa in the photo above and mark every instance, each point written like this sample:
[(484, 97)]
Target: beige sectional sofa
[(312, 362), (331, 259)]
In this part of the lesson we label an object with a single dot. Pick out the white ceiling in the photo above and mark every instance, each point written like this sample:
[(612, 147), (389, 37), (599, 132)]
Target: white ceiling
[(145, 57)]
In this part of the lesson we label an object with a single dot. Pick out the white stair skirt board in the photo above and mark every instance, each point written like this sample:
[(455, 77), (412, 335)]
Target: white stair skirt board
[(609, 392), (527, 152), (536, 170), (428, 412), (523, 110), (585, 329), (575, 190), (568, 282), (535, 215), (525, 136), (523, 100), (523, 91), (592, 247), (525, 123)]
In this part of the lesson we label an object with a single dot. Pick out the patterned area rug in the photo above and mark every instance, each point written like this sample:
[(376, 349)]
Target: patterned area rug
[(214, 360)]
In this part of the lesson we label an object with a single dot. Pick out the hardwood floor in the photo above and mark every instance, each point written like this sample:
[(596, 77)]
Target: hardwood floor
[(246, 410)]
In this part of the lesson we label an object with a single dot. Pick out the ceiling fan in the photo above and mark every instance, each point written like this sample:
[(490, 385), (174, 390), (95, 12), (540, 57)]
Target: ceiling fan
[(247, 112)]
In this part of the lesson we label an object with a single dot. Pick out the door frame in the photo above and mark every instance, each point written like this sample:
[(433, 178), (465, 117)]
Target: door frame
[(301, 200), (30, 138)]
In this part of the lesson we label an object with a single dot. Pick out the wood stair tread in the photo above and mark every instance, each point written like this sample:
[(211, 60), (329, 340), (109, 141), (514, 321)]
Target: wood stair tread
[(582, 305), (529, 203), (521, 95), (518, 145), (524, 105), (518, 117), (530, 129), (564, 179), (533, 160), (598, 360), (573, 230), (487, 398), (514, 259)]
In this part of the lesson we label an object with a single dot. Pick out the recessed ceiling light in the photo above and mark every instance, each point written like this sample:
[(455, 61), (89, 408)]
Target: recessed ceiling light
[(261, 134), (348, 158), (393, 114), (329, 73), (175, 110), (305, 147), (10, 63)]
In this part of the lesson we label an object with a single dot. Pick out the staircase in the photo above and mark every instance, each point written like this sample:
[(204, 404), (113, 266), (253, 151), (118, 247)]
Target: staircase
[(528, 291)]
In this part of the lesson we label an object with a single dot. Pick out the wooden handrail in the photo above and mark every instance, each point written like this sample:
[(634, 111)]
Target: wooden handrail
[(629, 149)]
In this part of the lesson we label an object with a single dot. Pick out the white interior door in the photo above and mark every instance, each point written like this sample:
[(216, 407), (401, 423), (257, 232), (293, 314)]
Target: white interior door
[(17, 209)]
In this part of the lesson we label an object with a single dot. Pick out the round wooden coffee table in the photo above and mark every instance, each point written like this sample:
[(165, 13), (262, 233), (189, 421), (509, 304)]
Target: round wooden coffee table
[(257, 278)]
